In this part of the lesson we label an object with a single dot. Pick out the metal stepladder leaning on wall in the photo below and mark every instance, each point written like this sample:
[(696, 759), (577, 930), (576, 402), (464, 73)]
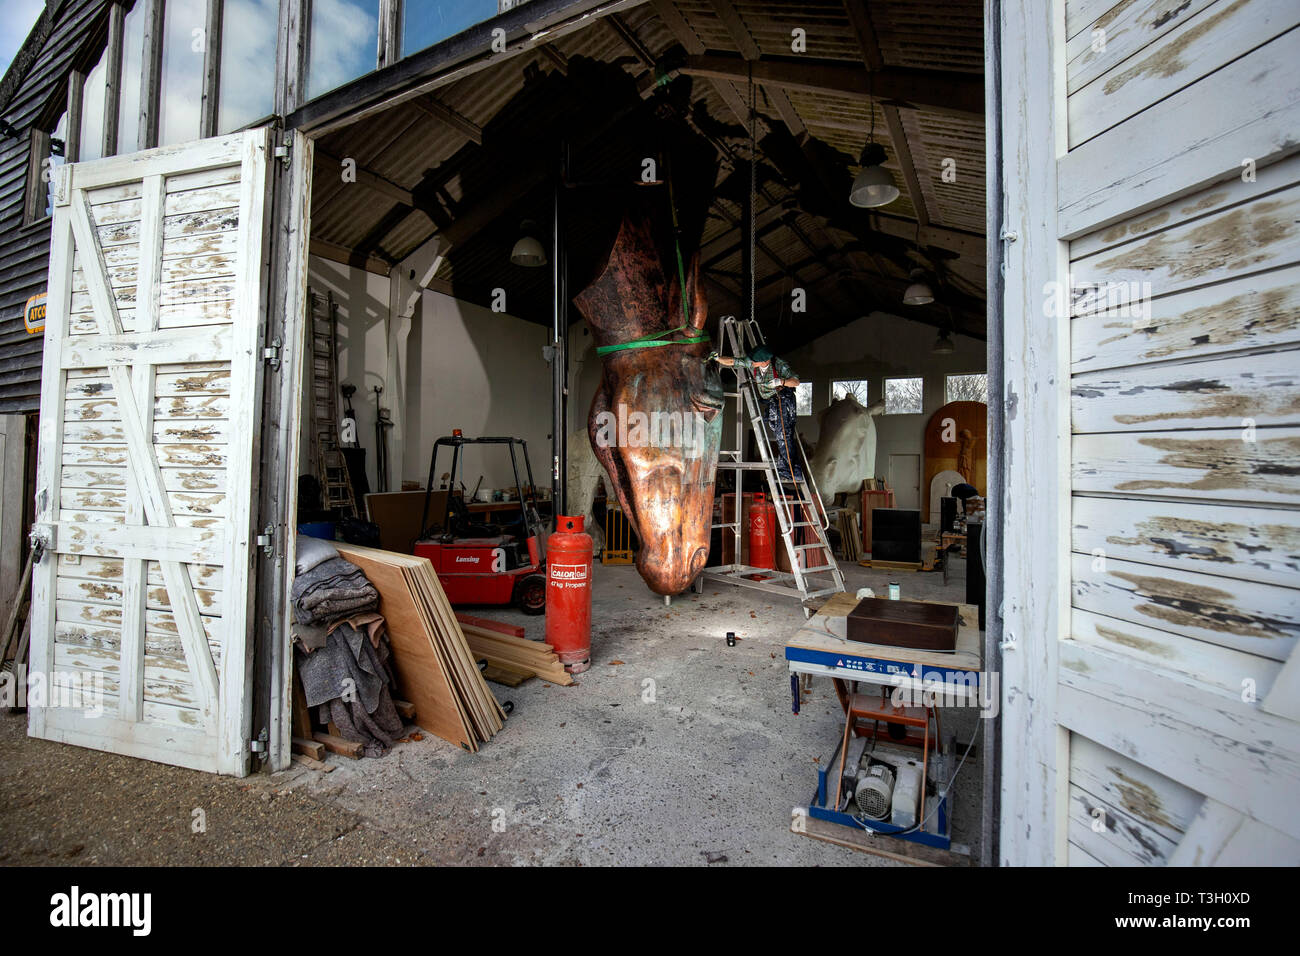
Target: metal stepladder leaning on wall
[(797, 503)]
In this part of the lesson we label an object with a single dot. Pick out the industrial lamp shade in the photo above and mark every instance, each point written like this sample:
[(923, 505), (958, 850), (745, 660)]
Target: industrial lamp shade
[(918, 293), (528, 252), (943, 344), (873, 185)]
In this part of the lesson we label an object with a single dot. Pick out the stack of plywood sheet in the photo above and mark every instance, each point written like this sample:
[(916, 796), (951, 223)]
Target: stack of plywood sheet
[(434, 665)]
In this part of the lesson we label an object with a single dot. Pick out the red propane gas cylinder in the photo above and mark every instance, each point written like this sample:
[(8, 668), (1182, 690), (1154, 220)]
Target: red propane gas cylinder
[(568, 594), (762, 533)]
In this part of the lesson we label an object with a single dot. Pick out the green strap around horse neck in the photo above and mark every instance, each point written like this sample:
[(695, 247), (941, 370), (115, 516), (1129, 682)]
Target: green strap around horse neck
[(652, 340)]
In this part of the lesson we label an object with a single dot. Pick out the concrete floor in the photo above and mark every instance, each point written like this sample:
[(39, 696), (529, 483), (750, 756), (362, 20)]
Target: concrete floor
[(673, 749)]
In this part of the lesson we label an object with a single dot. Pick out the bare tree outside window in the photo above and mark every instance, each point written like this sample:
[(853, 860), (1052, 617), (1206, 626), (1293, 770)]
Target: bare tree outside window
[(803, 398), (903, 396), (966, 388), (855, 387)]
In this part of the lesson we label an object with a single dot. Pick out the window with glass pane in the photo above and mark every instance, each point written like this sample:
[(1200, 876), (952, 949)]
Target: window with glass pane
[(903, 396), (128, 124), (55, 157), (92, 113), (344, 43), (803, 398), (855, 387), (425, 22), (966, 388), (182, 70), (248, 35)]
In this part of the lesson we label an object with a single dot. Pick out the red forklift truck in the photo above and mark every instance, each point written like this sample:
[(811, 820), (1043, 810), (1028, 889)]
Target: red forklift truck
[(479, 562)]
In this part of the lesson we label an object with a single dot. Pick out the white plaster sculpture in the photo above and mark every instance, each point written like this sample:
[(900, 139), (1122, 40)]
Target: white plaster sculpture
[(846, 446)]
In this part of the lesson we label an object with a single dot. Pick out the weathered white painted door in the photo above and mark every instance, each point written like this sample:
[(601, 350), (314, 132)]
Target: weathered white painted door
[(1152, 447), (150, 394)]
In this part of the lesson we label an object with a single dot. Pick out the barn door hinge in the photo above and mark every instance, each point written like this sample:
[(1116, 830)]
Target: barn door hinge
[(266, 541), (284, 151), (258, 744), (271, 354)]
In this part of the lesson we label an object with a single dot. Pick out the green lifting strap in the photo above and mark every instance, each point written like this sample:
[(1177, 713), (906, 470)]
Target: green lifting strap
[(651, 341)]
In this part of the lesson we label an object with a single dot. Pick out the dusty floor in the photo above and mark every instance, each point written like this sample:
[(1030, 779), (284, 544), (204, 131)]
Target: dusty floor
[(673, 749)]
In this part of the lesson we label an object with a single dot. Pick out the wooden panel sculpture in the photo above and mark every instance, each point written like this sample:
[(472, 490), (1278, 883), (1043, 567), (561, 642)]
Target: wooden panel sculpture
[(655, 422), (955, 440)]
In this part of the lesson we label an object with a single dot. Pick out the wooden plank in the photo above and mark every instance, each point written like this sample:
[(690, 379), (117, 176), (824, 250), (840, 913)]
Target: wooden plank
[(1258, 311), (1220, 464), (1223, 393), (1202, 44), (308, 747), (1253, 236), (1253, 544), (1260, 619), (1131, 28), (337, 745), (512, 630), (1151, 799), (1112, 836), (1129, 171)]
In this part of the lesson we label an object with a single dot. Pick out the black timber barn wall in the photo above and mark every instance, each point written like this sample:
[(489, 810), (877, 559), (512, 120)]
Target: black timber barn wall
[(77, 33)]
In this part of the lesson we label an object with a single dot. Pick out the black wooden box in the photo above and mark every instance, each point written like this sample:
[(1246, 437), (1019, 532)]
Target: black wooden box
[(914, 624)]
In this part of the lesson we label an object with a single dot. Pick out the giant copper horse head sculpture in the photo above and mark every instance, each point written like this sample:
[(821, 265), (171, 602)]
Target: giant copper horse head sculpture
[(655, 422)]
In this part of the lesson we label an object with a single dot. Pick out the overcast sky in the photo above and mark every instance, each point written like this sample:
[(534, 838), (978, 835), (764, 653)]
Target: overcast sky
[(16, 20)]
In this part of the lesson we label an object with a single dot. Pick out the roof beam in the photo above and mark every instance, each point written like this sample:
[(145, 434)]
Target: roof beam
[(348, 257), (744, 41), (630, 40), (371, 179), (449, 117), (933, 89), (939, 237), (680, 29)]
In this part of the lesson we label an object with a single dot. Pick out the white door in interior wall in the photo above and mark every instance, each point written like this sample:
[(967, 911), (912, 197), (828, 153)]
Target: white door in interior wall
[(905, 480)]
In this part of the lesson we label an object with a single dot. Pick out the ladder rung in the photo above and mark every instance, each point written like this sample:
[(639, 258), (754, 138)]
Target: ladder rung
[(817, 570), (823, 591), (808, 547), (730, 524)]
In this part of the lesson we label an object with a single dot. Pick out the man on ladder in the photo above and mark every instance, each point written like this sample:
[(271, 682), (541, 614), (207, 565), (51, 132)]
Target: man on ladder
[(776, 382)]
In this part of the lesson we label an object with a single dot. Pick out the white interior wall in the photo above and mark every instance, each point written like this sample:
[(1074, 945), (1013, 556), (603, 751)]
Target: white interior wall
[(362, 299), (876, 347), (484, 373)]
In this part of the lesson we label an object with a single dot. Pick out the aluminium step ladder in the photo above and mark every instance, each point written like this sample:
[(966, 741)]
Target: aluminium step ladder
[(331, 466), (798, 504)]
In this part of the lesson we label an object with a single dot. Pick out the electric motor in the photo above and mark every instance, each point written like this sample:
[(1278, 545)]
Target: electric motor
[(875, 791)]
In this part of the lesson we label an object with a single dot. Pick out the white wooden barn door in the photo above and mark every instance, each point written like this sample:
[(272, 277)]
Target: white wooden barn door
[(1152, 406), (150, 393)]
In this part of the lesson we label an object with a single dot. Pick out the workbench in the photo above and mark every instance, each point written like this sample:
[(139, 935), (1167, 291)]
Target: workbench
[(821, 648)]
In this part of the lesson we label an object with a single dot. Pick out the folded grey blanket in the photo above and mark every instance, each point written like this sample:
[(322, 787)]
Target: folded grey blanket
[(334, 588)]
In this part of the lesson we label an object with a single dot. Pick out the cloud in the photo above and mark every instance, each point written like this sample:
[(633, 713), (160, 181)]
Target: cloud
[(17, 17)]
